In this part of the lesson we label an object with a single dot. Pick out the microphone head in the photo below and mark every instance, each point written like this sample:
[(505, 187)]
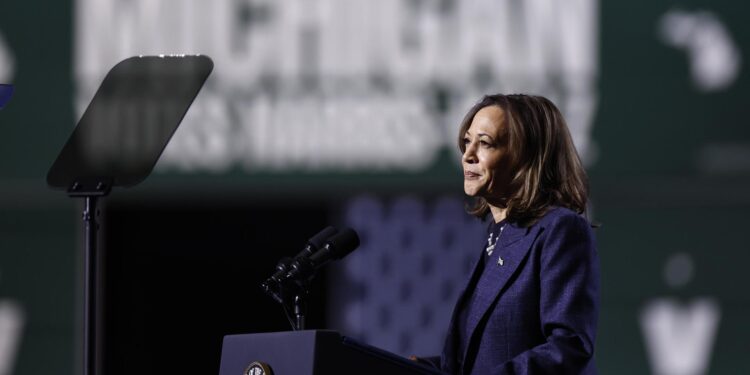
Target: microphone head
[(343, 243), (319, 240)]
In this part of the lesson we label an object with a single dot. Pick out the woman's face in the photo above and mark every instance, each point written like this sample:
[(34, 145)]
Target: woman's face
[(486, 161)]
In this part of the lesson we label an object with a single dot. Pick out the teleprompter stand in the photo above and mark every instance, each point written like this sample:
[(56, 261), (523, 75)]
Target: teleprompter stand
[(117, 142)]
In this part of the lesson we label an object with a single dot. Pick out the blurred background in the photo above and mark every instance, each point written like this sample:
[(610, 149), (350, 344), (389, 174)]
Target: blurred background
[(344, 112)]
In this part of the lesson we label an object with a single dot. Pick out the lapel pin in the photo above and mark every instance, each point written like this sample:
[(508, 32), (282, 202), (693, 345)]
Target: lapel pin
[(500, 261)]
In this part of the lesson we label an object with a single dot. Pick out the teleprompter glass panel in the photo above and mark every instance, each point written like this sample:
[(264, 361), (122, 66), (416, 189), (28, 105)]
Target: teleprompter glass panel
[(130, 120)]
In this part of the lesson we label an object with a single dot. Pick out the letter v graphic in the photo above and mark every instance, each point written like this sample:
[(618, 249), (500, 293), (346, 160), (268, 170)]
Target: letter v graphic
[(679, 336)]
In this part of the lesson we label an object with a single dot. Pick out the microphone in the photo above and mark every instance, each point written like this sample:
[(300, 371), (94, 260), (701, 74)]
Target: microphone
[(337, 247), (313, 244), (301, 270)]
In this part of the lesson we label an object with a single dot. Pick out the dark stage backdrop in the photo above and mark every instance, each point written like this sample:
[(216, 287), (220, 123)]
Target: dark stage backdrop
[(182, 274), (344, 112)]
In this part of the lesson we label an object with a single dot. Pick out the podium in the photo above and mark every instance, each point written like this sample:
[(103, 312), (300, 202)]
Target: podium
[(314, 352)]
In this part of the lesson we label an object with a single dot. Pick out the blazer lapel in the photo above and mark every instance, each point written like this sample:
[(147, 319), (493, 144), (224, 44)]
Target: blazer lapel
[(515, 244), (448, 358)]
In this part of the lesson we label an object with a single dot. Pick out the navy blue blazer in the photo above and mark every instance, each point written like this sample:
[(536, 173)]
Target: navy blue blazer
[(537, 312)]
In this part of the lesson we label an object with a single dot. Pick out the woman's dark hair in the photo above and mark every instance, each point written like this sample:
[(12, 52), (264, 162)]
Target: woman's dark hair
[(546, 168)]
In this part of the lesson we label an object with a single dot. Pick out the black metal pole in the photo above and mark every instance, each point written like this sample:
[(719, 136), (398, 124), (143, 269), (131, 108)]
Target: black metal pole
[(90, 316), (300, 308)]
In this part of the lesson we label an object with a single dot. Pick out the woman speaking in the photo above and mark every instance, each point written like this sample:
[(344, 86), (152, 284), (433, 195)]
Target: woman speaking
[(531, 303)]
